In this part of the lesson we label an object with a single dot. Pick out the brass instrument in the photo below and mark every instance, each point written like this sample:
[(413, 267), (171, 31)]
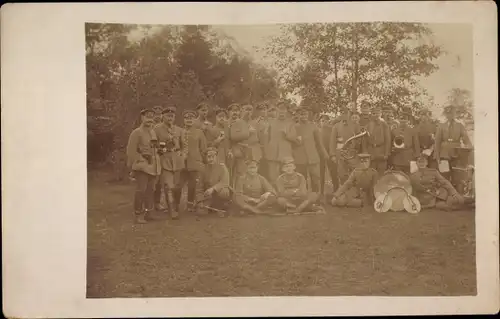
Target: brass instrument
[(399, 141), (347, 153)]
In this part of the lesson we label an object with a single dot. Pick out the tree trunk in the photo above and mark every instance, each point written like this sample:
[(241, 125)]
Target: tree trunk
[(355, 77), (335, 68)]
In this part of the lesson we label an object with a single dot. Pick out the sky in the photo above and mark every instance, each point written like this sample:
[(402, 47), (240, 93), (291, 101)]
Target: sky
[(455, 67)]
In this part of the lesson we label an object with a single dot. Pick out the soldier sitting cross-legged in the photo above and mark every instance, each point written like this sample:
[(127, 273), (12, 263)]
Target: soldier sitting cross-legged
[(252, 191), (293, 195), (357, 191), (215, 182), (432, 189)]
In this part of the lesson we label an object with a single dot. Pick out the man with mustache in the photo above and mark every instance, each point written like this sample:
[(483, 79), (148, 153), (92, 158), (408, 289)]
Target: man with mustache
[(449, 136), (378, 142), (144, 161), (281, 136), (194, 145), (310, 150), (410, 149), (171, 160), (238, 134)]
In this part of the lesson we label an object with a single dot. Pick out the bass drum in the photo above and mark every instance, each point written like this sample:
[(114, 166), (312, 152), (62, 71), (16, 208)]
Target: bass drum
[(396, 185)]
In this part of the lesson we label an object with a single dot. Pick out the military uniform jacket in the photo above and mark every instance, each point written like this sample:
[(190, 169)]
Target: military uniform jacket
[(426, 133), (411, 149), (311, 148), (212, 134), (361, 178), (448, 135), (238, 134), (141, 155), (429, 180), (288, 184), (253, 186), (256, 140), (378, 143), (170, 161), (216, 176), (281, 135), (194, 144), (341, 132), (202, 125)]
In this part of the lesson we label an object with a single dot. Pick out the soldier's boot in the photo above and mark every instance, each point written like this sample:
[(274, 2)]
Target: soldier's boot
[(140, 217), (171, 204), (176, 198), (157, 199)]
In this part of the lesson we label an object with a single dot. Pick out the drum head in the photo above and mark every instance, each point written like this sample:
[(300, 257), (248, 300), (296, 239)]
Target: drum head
[(412, 205), (392, 179), (383, 203), (397, 196)]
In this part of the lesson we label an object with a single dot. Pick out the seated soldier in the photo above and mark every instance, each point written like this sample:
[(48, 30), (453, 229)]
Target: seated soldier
[(215, 181), (293, 195), (432, 189), (357, 191), (252, 191)]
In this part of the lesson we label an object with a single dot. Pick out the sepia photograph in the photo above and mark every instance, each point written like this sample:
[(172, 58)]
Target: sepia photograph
[(278, 159), (304, 159)]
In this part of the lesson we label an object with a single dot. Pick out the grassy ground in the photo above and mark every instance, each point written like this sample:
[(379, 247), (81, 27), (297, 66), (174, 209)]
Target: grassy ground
[(345, 252)]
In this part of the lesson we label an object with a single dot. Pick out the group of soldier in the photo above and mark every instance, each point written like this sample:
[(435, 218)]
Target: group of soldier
[(275, 158)]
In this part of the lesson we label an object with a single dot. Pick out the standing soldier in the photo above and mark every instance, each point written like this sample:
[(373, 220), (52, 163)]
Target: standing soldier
[(172, 163), (202, 122), (262, 125), (282, 134), (449, 136), (342, 132), (144, 161), (216, 136), (310, 150), (194, 145), (426, 131), (326, 132), (256, 138), (238, 134), (378, 143), (365, 114), (406, 147)]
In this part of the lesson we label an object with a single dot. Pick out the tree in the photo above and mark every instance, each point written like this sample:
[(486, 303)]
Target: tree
[(378, 61), (462, 100)]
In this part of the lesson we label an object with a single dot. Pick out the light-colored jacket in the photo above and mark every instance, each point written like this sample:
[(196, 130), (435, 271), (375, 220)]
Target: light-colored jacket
[(141, 155)]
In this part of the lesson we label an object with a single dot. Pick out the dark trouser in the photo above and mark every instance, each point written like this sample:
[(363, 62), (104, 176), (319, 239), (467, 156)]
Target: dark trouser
[(169, 181), (332, 169), (312, 170), (195, 187), (273, 171), (403, 168), (143, 198), (380, 165)]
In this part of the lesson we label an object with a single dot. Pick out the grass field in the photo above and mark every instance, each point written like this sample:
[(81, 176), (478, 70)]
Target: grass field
[(343, 253)]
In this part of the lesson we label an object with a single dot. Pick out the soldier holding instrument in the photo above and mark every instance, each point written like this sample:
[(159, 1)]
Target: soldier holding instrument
[(406, 147), (432, 189), (238, 134), (378, 141), (216, 136), (341, 133), (449, 136), (144, 161), (172, 162)]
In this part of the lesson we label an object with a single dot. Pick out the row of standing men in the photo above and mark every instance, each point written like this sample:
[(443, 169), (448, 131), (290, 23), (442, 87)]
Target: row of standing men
[(165, 157)]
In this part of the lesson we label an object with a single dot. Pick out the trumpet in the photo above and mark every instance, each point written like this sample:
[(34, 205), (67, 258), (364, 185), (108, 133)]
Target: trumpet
[(399, 141)]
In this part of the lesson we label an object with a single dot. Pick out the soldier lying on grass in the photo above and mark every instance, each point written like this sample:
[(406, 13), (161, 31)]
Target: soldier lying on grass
[(253, 192)]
